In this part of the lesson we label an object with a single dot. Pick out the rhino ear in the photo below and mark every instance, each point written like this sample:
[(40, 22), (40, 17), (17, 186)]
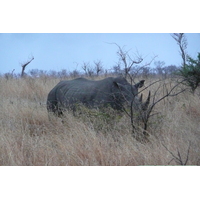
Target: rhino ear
[(140, 84), (118, 85)]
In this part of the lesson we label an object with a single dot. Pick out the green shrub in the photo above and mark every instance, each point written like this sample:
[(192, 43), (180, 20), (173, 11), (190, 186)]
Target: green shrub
[(101, 119), (190, 72)]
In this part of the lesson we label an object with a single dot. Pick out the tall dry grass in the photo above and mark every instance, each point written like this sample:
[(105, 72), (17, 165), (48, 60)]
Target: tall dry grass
[(27, 137)]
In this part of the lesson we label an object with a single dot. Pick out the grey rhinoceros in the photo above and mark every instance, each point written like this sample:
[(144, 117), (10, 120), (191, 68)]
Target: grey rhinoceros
[(115, 92)]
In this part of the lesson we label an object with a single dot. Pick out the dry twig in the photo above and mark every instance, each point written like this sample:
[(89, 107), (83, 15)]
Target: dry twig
[(178, 159)]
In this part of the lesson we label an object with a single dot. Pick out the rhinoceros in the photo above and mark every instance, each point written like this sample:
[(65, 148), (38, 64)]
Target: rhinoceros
[(115, 92)]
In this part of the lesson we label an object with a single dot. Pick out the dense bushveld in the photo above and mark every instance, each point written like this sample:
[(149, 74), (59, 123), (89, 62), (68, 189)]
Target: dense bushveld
[(27, 137)]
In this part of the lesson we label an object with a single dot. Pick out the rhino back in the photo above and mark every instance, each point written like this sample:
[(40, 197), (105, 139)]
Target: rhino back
[(90, 93)]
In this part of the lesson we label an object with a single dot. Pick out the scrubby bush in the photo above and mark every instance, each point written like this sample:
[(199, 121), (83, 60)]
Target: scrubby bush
[(190, 72)]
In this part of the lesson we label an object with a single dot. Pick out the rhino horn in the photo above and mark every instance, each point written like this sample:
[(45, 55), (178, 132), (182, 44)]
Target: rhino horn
[(146, 104), (140, 99)]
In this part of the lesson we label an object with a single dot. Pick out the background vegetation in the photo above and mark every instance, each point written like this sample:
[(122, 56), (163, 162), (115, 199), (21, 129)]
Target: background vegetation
[(27, 137)]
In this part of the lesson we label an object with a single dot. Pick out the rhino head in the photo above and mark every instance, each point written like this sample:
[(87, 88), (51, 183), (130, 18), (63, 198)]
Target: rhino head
[(130, 95)]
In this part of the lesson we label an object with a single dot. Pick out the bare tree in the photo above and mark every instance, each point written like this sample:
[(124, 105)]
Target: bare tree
[(129, 66), (24, 66), (75, 73), (85, 67), (159, 67), (182, 43), (88, 70), (116, 69), (98, 67), (127, 61)]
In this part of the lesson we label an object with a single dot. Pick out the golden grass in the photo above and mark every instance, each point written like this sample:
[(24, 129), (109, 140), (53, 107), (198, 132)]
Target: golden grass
[(27, 137)]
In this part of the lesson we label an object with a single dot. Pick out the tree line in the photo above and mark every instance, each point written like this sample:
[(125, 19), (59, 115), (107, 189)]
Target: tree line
[(97, 69)]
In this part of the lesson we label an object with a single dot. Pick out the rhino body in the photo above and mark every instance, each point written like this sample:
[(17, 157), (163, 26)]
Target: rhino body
[(114, 92)]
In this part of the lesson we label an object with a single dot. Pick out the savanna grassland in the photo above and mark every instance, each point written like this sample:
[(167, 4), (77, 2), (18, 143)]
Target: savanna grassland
[(28, 137)]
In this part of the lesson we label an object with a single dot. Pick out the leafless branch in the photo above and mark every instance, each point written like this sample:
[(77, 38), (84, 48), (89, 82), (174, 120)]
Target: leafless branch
[(136, 70), (127, 60), (24, 66), (169, 93), (178, 159)]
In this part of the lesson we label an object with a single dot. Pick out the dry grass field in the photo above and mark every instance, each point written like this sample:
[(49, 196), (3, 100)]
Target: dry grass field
[(27, 137)]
